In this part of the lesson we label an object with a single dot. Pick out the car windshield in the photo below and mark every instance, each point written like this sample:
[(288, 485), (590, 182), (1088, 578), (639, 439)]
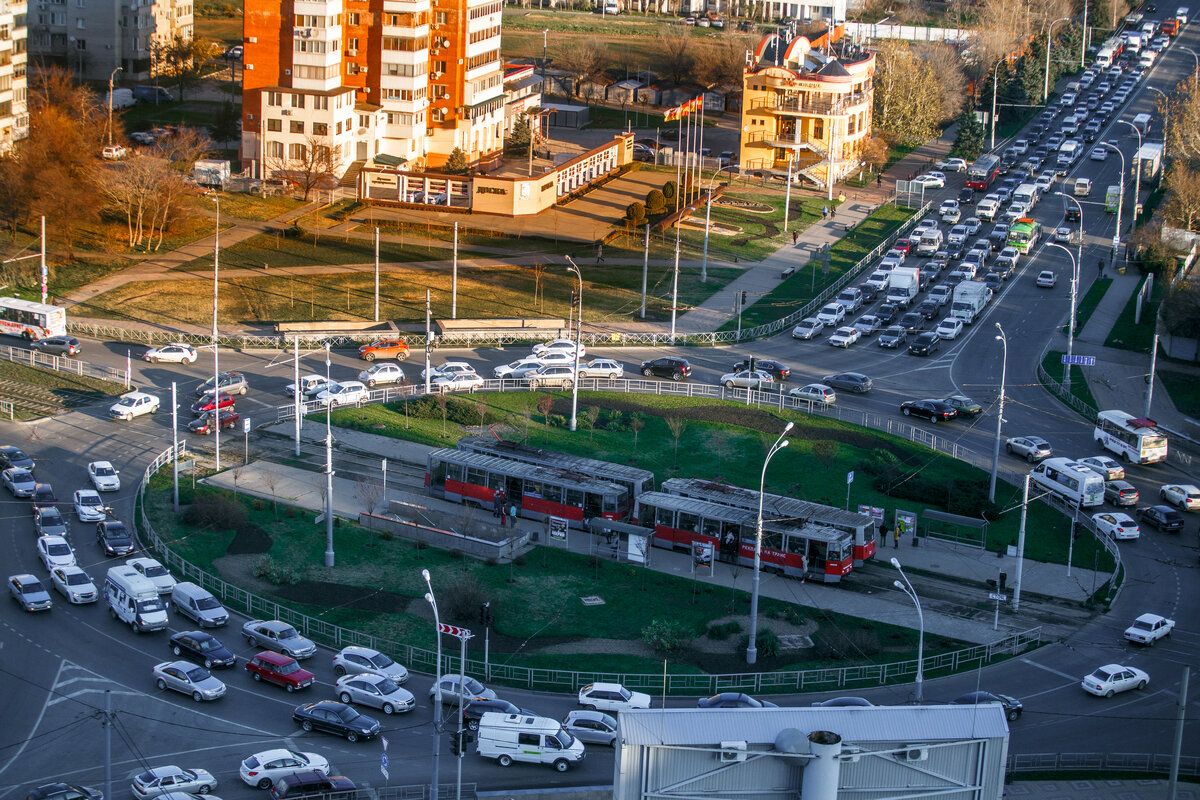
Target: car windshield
[(150, 606), (288, 633), (347, 714), (625, 693), (155, 571), (105, 471), (50, 516), (127, 402), (288, 668), (564, 739), (473, 686), (31, 587), (197, 674), (208, 645), (90, 500), (115, 530), (207, 603), (380, 661), (77, 579), (58, 549), (386, 686)]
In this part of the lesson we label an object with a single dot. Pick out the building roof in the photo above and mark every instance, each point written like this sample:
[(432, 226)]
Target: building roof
[(833, 69), (856, 725)]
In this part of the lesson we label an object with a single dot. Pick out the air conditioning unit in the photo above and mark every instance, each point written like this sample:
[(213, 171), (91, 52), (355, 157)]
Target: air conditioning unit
[(252, 39), (732, 752), (287, 112), (443, 42), (435, 75), (916, 754)]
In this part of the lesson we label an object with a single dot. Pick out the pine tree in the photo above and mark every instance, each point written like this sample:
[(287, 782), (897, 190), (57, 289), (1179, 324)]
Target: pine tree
[(226, 125), (969, 143), (456, 164), (519, 139)]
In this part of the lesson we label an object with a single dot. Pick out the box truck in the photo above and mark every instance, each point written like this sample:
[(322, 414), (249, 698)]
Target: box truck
[(1150, 156), (903, 285), (211, 172), (968, 301), (133, 598), (524, 737)]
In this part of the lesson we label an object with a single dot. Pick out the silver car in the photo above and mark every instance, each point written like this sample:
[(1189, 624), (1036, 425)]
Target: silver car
[(188, 678), (747, 379), (471, 690), (591, 727), (375, 691), (278, 636), (353, 660)]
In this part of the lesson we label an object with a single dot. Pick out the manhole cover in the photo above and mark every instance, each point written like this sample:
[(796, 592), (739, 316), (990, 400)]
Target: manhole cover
[(592, 600), (795, 641)]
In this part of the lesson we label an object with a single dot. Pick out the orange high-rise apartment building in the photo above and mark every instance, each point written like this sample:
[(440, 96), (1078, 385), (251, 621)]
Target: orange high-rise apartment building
[(385, 81)]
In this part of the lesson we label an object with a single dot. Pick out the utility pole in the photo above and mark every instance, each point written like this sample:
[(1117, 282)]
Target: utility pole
[(174, 449), (675, 284), (296, 379), (428, 341), (1180, 716), (377, 272), (1016, 604), (1153, 365), (454, 277), (107, 725), (645, 271)]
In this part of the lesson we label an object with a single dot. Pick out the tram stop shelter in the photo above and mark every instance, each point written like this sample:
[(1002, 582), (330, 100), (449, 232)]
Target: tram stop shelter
[(620, 541), (954, 527)]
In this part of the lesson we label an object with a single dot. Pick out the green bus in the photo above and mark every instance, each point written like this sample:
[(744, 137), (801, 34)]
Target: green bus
[(1023, 235)]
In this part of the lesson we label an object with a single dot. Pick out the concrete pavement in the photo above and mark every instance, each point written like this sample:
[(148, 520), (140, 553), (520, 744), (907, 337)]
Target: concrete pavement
[(1097, 789)]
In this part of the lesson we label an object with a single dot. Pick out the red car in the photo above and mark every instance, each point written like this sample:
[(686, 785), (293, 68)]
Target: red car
[(903, 245), (280, 670), (208, 403), (384, 348), (204, 425)]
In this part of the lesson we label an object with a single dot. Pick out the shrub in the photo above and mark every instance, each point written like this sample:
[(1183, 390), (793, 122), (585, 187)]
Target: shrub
[(656, 202), (635, 212), (462, 599), (765, 640), (846, 643), (666, 636), (670, 189), (216, 512), (724, 630), (279, 575)]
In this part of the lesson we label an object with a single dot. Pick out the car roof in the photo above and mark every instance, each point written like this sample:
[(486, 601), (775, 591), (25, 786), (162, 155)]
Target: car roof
[(358, 649), (607, 687), (273, 657)]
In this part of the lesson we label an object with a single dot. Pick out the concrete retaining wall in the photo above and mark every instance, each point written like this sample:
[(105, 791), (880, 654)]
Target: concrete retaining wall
[(564, 793)]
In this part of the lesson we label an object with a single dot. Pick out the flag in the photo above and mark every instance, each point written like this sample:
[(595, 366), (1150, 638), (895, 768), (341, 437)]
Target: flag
[(673, 114)]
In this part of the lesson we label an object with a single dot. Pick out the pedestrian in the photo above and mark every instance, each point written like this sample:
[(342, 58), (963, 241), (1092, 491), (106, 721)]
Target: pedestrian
[(795, 236), (599, 253), (512, 516), (824, 212), (503, 516), (896, 537), (1100, 267), (496, 504), (879, 180), (832, 212)]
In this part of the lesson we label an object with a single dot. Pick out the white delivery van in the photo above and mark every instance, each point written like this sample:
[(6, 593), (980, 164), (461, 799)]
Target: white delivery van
[(1142, 123), (524, 737), (1146, 59), (1072, 481), (133, 598), (987, 209), (1181, 14)]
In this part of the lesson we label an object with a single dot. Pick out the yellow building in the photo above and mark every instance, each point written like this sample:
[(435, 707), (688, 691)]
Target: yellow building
[(806, 103)]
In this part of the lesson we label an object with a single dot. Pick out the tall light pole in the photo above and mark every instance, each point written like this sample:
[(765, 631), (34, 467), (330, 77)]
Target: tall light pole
[(1137, 181), (111, 75), (1071, 321), (995, 90), (1049, 42), (1195, 56), (908, 589), (1075, 280), (752, 646), (578, 331), (545, 32), (707, 218), (1120, 198), (437, 688), (216, 366), (999, 416), (329, 557)]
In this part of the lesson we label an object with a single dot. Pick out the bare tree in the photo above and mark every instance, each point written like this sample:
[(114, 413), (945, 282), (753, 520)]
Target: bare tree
[(677, 425), (442, 400), (721, 64), (636, 423), (593, 414), (309, 166), (583, 60), (369, 492), (875, 153), (677, 53), (947, 67), (270, 478), (1183, 197)]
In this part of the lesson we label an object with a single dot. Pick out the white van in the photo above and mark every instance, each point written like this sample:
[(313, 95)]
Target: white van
[(524, 737), (1181, 14), (133, 598), (1142, 123), (198, 604), (930, 243), (1146, 59), (987, 209), (1028, 194), (1072, 481)]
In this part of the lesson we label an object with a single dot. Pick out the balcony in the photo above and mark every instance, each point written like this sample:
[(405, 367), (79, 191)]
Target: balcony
[(819, 107)]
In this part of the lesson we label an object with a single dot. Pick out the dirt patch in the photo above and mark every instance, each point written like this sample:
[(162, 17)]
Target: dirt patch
[(250, 540), (239, 570), (339, 595)]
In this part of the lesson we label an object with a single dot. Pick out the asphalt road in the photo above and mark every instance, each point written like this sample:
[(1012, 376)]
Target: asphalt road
[(56, 667)]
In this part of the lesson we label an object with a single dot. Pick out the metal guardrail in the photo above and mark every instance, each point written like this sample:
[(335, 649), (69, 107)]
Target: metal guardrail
[(1154, 763), (151, 338), (6, 407), (561, 680), (33, 358), (1064, 395)]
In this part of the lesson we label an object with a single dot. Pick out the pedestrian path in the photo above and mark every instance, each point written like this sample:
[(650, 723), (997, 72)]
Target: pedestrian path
[(1098, 789)]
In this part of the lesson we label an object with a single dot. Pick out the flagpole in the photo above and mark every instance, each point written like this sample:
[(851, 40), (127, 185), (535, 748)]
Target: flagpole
[(678, 161), (700, 149)]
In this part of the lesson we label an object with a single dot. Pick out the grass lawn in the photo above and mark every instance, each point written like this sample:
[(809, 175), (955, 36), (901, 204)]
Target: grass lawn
[(1087, 305), (1137, 337), (1184, 389), (52, 379), (810, 281), (895, 153), (248, 206), (733, 440), (64, 277), (1080, 390), (612, 293)]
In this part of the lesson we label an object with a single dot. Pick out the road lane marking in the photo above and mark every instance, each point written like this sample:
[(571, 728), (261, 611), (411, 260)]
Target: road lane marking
[(1051, 670)]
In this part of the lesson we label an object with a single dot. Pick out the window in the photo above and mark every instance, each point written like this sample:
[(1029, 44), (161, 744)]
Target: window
[(275, 149), (274, 98), (275, 125), (352, 19), (533, 739), (297, 101), (296, 152), (439, 66), (364, 121), (320, 129), (440, 17), (352, 43), (296, 126)]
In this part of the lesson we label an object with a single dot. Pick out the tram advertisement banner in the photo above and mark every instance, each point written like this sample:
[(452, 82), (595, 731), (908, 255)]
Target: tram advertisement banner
[(557, 529), (874, 512), (906, 522)]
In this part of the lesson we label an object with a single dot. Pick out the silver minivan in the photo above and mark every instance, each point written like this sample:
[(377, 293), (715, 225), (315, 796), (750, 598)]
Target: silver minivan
[(198, 604)]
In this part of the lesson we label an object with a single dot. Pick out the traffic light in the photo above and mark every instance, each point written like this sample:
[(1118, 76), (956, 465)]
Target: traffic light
[(483, 613), (744, 296), (456, 743), (1003, 581)]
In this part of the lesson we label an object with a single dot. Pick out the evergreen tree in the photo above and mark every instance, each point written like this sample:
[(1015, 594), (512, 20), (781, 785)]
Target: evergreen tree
[(969, 143), (226, 125), (520, 138), (456, 164)]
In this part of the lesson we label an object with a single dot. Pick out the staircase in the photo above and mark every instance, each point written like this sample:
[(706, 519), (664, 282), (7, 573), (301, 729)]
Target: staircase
[(350, 179)]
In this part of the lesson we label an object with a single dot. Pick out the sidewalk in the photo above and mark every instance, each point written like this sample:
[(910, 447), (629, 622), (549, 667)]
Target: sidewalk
[(1098, 789)]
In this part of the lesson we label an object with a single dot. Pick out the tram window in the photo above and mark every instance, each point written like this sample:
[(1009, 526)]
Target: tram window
[(496, 481), (453, 471), (591, 505), (797, 544), (773, 540), (552, 493), (689, 521), (664, 517), (437, 474), (533, 488), (476, 476), (711, 527), (575, 498), (610, 504)]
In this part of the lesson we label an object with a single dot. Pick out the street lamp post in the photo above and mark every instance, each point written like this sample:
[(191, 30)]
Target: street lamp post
[(111, 76), (1137, 181), (999, 416), (1071, 321), (1049, 42), (545, 32), (752, 646), (329, 557), (1195, 56), (216, 366), (437, 688), (995, 90), (1120, 198), (1075, 280), (707, 218), (908, 589), (578, 332)]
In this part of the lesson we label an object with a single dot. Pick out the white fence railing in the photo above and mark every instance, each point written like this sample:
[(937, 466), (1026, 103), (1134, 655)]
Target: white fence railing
[(33, 358), (1157, 763)]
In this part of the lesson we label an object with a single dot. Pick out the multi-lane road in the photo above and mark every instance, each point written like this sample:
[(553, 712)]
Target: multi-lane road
[(55, 668)]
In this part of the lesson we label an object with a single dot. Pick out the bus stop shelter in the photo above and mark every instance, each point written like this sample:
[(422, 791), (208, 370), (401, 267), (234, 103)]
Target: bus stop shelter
[(955, 528), (620, 540)]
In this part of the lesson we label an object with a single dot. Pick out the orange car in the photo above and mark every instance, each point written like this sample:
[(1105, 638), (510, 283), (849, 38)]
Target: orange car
[(384, 348)]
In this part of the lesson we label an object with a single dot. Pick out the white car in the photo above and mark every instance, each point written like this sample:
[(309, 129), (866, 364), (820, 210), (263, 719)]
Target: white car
[(375, 691), (88, 506), (381, 373), (1149, 628), (1185, 497), (957, 234), (844, 337), (1116, 525), (517, 369), (832, 314), (1044, 182), (262, 769), (344, 394), (951, 215), (611, 697), (878, 280), (953, 165), (1046, 279), (1062, 235), (602, 368), (949, 204), (559, 345), (74, 584), (931, 181), (55, 552), (1109, 468), (104, 477), (815, 393), (973, 225), (949, 328), (176, 352), (557, 357), (457, 382), (161, 780), (449, 368), (1113, 678), (134, 404), (1099, 154), (808, 328), (310, 386), (155, 572), (354, 659)]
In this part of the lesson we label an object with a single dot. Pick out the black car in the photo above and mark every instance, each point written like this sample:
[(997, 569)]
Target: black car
[(963, 405), (887, 313), (11, 456), (966, 197), (997, 238), (850, 381), (1072, 213), (64, 791), (912, 322), (925, 344), (932, 410), (893, 337), (475, 709), (929, 309), (869, 292), (955, 250), (733, 700), (1012, 706), (43, 496), (667, 367), (337, 718), (113, 538), (1164, 518), (202, 648), (776, 370)]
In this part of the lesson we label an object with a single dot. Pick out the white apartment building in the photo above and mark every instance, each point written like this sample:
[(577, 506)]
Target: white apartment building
[(14, 113)]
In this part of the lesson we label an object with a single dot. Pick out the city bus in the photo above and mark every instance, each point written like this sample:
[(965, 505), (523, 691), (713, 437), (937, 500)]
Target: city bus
[(1023, 235), (1070, 480), (861, 527), (634, 480), (1134, 439), (793, 549), (537, 492), (31, 321), (985, 170)]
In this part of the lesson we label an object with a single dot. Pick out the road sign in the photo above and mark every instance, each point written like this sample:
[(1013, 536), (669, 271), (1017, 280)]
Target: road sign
[(383, 766), (454, 630), (1080, 361), (1000, 597), (245, 425)]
